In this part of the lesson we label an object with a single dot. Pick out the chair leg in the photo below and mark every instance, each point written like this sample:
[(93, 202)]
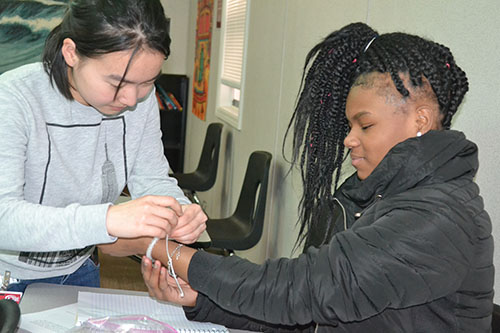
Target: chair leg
[(192, 196), (195, 198), (216, 250), (226, 252), (136, 258)]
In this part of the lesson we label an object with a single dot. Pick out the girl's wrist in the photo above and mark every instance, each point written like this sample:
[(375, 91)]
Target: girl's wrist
[(142, 244)]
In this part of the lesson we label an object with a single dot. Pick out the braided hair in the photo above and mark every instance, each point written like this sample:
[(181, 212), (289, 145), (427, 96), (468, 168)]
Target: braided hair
[(319, 123)]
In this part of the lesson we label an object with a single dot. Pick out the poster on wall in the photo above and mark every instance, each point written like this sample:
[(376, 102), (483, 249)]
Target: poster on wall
[(202, 57), (24, 26)]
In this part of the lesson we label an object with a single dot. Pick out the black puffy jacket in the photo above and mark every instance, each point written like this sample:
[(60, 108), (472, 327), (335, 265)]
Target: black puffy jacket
[(417, 256)]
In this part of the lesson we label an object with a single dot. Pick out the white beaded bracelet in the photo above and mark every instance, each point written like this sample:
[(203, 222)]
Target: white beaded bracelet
[(150, 248)]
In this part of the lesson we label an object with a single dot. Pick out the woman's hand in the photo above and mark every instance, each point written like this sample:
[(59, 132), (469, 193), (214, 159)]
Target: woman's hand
[(190, 224), (163, 287), (153, 216)]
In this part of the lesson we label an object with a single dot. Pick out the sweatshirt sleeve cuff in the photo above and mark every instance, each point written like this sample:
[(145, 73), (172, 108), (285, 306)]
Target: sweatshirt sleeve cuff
[(202, 265), (93, 217)]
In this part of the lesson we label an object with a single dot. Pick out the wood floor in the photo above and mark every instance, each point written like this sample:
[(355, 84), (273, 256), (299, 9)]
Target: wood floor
[(121, 273)]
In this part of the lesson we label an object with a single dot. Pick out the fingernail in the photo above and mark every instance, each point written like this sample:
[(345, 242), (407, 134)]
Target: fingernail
[(157, 264)]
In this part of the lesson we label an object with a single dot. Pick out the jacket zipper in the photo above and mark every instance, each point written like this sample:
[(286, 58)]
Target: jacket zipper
[(377, 198), (356, 215), (343, 212)]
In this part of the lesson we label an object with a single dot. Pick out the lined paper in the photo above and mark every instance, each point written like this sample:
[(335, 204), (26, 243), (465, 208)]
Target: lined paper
[(97, 305), (56, 320)]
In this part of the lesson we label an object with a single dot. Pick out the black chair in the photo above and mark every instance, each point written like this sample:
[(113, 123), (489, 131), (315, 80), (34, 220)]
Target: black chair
[(203, 178), (243, 229), (495, 319), (9, 315)]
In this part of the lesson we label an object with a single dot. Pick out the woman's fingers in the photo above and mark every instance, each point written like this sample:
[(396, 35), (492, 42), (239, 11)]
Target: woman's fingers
[(153, 216), (166, 201), (191, 237), (190, 225), (156, 216)]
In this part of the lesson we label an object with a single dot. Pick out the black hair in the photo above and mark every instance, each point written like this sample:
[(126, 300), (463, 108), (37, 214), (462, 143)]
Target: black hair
[(319, 123), (98, 27)]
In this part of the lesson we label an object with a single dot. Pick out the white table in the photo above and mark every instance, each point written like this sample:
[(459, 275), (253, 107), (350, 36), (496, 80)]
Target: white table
[(44, 296)]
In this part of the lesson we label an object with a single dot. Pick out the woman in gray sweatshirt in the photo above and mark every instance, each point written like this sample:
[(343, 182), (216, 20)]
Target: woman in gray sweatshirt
[(75, 130)]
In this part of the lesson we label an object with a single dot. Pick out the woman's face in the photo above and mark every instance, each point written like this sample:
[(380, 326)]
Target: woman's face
[(94, 81), (378, 119)]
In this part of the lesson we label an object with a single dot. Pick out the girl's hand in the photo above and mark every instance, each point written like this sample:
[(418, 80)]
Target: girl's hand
[(190, 225), (163, 287), (153, 216)]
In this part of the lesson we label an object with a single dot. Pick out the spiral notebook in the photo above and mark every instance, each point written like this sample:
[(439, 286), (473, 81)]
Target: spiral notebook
[(98, 305)]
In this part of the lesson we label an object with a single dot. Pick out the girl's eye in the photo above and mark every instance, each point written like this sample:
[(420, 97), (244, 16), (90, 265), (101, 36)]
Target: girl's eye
[(366, 127)]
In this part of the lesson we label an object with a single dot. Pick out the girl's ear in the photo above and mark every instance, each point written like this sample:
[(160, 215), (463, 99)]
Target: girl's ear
[(427, 118), (69, 53)]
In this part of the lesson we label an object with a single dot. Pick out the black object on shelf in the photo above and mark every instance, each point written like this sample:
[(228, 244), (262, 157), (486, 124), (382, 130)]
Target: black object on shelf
[(173, 120)]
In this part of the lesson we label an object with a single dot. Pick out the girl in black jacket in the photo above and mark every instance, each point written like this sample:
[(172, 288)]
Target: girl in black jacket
[(403, 245)]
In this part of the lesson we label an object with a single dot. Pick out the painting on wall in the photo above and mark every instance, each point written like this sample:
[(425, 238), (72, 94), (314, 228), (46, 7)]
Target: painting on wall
[(24, 26), (202, 57)]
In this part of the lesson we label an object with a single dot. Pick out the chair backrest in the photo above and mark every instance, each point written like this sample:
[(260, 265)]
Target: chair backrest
[(495, 319), (210, 152), (203, 178), (9, 315), (251, 205), (209, 159)]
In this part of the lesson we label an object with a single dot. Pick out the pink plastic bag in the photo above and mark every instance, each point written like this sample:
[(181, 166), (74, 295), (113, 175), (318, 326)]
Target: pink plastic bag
[(124, 324)]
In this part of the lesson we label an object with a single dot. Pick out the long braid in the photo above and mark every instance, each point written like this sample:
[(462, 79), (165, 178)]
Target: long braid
[(319, 125)]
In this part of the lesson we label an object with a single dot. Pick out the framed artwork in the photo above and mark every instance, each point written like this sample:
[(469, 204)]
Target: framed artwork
[(202, 57), (24, 26)]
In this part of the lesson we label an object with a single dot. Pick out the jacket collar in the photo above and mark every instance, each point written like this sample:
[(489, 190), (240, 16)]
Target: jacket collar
[(437, 156)]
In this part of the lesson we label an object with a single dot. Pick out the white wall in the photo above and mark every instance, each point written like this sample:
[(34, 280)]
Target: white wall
[(179, 13), (281, 33)]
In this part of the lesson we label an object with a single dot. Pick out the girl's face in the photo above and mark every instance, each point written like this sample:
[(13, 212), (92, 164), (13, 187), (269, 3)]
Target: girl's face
[(378, 119), (94, 81)]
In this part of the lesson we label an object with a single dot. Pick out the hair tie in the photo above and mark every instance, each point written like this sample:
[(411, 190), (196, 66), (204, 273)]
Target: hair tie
[(448, 65), (366, 47), (370, 43)]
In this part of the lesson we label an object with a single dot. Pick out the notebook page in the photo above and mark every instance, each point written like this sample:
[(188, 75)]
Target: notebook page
[(95, 305)]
